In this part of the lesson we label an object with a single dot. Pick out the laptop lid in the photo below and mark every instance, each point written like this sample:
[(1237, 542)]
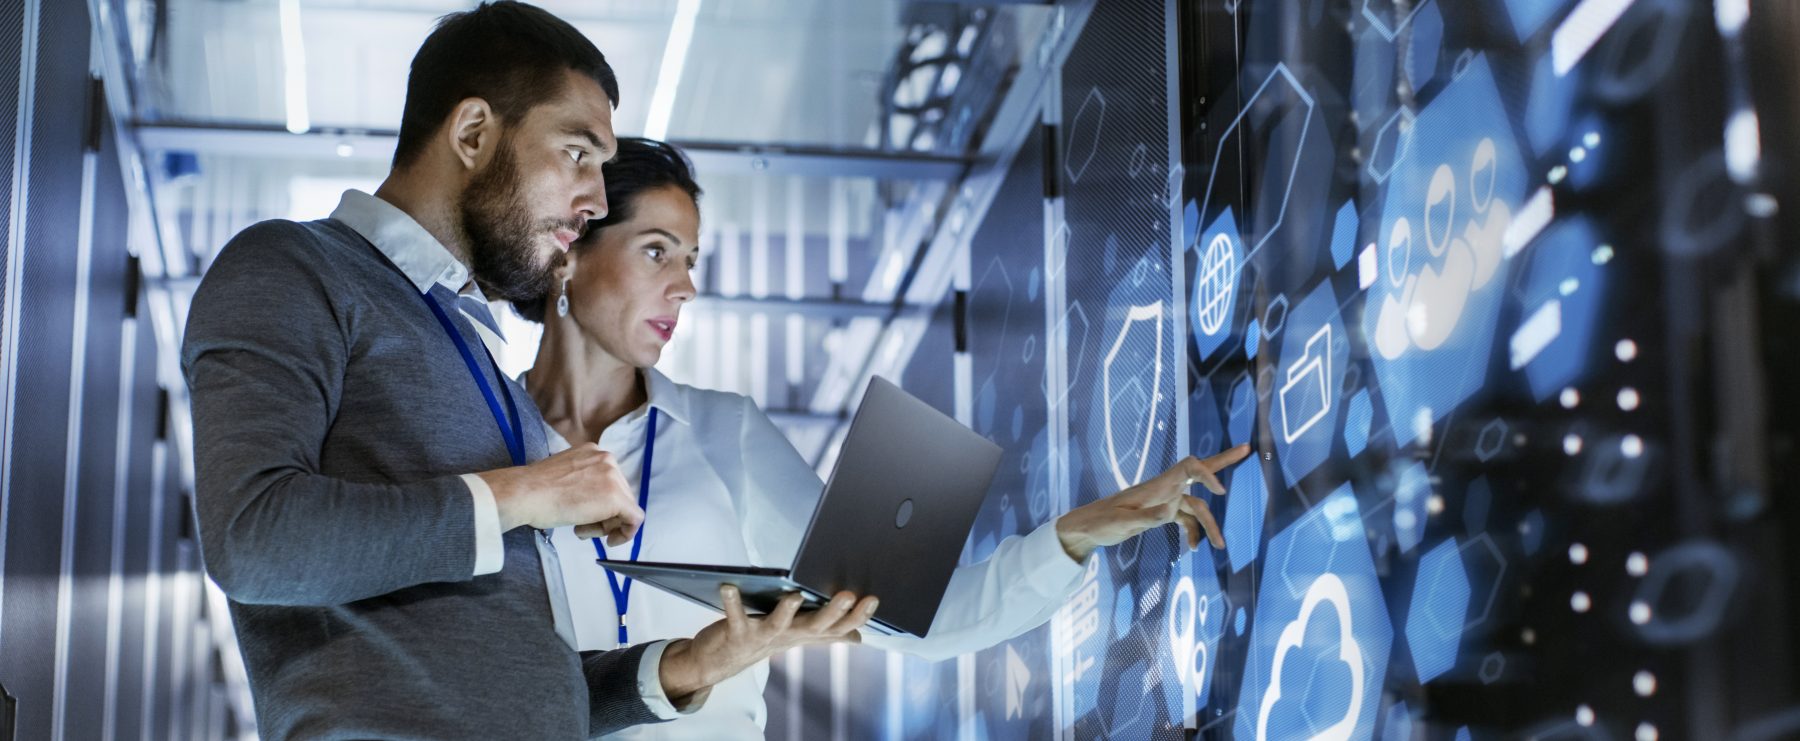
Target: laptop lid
[(893, 518)]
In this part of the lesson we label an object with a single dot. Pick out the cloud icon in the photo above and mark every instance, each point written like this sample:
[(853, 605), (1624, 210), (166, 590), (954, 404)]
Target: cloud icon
[(1327, 589)]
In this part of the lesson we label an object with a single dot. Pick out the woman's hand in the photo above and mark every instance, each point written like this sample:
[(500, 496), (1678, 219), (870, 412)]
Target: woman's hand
[(727, 647), (1154, 503)]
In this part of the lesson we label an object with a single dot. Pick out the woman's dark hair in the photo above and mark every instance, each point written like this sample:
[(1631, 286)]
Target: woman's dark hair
[(641, 165), (508, 53)]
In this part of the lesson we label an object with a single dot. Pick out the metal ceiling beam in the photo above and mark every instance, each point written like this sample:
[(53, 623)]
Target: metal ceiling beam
[(741, 305), (264, 140), (823, 308)]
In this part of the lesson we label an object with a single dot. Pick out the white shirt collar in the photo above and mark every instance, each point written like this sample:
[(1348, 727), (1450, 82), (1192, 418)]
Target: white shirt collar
[(667, 396), (423, 259)]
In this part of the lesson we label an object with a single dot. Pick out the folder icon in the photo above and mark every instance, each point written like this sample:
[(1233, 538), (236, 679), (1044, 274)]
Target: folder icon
[(1306, 396)]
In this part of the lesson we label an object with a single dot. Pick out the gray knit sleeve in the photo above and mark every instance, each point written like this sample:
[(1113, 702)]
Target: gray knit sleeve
[(264, 356), (614, 698)]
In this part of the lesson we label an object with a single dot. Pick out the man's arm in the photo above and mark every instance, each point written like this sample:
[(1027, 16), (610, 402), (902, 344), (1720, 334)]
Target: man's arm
[(264, 354), (618, 696)]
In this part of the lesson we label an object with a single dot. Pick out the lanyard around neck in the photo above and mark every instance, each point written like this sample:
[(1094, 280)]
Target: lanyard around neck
[(622, 592), (513, 431)]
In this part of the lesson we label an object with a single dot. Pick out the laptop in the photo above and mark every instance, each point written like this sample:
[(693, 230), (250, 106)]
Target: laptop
[(891, 521)]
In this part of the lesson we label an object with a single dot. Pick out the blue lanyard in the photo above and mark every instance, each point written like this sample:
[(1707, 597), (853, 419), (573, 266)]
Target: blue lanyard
[(622, 594), (514, 433)]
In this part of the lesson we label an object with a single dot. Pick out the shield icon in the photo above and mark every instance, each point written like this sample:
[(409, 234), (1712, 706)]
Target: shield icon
[(1132, 427)]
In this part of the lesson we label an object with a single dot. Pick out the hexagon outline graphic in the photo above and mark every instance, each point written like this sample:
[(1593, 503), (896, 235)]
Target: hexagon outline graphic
[(1062, 328), (1005, 310), (1484, 450), (1498, 662), (1281, 71), (1401, 145), (1152, 311), (1075, 172), (1487, 606), (1382, 28), (1270, 328), (1441, 579)]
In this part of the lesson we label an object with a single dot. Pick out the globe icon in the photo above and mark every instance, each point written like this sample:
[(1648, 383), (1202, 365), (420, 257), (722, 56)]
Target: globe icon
[(1218, 280)]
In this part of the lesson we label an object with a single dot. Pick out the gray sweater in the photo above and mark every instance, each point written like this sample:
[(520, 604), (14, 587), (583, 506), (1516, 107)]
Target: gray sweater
[(332, 417)]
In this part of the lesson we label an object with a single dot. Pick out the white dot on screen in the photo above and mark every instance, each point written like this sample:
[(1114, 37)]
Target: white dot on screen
[(1584, 715), (1636, 564), (1572, 444), (1435, 504), (1578, 554), (1628, 398), (1571, 398), (1640, 613), (1528, 636), (1632, 446), (1646, 732), (1644, 683), (1626, 350), (1581, 602)]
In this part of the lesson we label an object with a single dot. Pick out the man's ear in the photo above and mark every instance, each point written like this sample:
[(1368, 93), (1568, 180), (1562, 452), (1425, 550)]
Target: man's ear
[(474, 131)]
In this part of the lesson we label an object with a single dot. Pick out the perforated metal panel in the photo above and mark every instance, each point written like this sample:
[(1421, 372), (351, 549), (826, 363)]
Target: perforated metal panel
[(12, 30), (1012, 681), (1123, 356), (41, 404)]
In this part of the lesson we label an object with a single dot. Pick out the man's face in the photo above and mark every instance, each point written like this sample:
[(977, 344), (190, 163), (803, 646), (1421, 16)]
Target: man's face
[(537, 192)]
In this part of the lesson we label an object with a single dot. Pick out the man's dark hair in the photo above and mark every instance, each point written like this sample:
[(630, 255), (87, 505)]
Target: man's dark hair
[(508, 53), (641, 165)]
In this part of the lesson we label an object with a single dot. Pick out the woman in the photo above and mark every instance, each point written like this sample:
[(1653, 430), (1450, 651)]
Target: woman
[(726, 487)]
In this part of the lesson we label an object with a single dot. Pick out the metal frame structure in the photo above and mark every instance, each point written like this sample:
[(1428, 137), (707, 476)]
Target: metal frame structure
[(710, 156)]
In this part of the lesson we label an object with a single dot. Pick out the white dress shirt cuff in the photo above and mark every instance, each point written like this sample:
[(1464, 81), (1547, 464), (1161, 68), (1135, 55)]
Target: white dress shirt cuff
[(490, 550), (1048, 569), (649, 681)]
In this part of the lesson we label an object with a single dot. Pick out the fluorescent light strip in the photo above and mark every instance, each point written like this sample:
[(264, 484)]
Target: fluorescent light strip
[(839, 232), (1730, 15), (1578, 33), (1743, 145), (795, 264), (115, 587), (1536, 333), (1536, 214), (293, 62), (668, 74), (65, 591)]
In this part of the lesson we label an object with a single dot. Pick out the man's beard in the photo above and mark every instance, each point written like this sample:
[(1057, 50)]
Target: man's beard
[(496, 222)]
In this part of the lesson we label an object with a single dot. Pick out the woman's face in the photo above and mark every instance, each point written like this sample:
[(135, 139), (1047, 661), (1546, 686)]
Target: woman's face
[(627, 286)]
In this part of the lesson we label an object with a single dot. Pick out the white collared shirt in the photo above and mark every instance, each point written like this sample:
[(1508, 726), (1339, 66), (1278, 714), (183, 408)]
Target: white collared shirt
[(728, 488), (427, 263)]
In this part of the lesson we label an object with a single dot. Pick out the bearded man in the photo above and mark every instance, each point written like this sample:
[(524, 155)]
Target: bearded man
[(373, 494)]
